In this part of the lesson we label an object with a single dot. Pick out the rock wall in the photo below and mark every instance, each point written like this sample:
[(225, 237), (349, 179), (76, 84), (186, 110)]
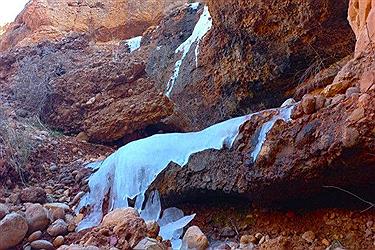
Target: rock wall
[(254, 57), (105, 21)]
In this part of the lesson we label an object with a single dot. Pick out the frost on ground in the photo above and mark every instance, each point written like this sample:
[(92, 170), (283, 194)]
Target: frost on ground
[(203, 25), (134, 43)]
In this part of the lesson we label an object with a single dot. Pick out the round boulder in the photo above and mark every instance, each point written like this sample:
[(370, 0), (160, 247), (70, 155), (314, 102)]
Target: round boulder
[(13, 228)]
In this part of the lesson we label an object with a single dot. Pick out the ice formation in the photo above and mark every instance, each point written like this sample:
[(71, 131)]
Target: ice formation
[(284, 113), (134, 43), (171, 223), (128, 172), (203, 25)]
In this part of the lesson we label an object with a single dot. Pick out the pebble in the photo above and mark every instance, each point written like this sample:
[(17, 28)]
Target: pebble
[(77, 198), (4, 210), (37, 235), (59, 227), (42, 244), (325, 242), (246, 239), (58, 241), (308, 104), (258, 236), (53, 167), (309, 236)]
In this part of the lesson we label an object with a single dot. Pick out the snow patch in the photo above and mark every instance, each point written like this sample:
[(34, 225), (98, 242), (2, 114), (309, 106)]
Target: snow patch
[(194, 6), (134, 43), (203, 25)]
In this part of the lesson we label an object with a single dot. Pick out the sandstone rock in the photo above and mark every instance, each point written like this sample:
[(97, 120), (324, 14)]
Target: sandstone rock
[(153, 229), (308, 104), (350, 137), (149, 244), (119, 19), (58, 241), (352, 90), (37, 217), (118, 216), (82, 136), (53, 206), (58, 213), (13, 228), (195, 238), (33, 195), (77, 247), (247, 239), (59, 227), (309, 236), (42, 244), (4, 210), (37, 235)]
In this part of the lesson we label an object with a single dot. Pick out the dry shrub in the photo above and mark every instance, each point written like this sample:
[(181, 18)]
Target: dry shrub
[(16, 145)]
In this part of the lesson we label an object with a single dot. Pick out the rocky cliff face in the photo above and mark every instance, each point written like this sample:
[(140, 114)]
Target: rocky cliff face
[(51, 20), (254, 58)]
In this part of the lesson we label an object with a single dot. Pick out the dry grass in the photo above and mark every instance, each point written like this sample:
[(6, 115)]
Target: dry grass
[(15, 145)]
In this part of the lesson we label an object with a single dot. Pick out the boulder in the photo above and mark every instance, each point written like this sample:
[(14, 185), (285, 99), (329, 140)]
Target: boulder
[(195, 238), (118, 216), (13, 228), (33, 195), (37, 217)]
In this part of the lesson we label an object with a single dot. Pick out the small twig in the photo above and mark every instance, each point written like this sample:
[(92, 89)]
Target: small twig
[(371, 205)]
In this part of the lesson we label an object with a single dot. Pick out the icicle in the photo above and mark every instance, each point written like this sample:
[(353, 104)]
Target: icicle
[(152, 209)]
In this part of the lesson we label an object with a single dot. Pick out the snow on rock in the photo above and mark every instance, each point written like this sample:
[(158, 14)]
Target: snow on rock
[(194, 6), (203, 25), (128, 172), (134, 43), (284, 113)]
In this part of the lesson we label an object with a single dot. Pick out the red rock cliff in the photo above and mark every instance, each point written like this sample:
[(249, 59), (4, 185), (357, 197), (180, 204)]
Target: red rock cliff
[(103, 20)]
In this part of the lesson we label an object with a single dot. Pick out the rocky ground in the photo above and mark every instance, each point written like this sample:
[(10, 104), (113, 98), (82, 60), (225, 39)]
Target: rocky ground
[(72, 92)]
